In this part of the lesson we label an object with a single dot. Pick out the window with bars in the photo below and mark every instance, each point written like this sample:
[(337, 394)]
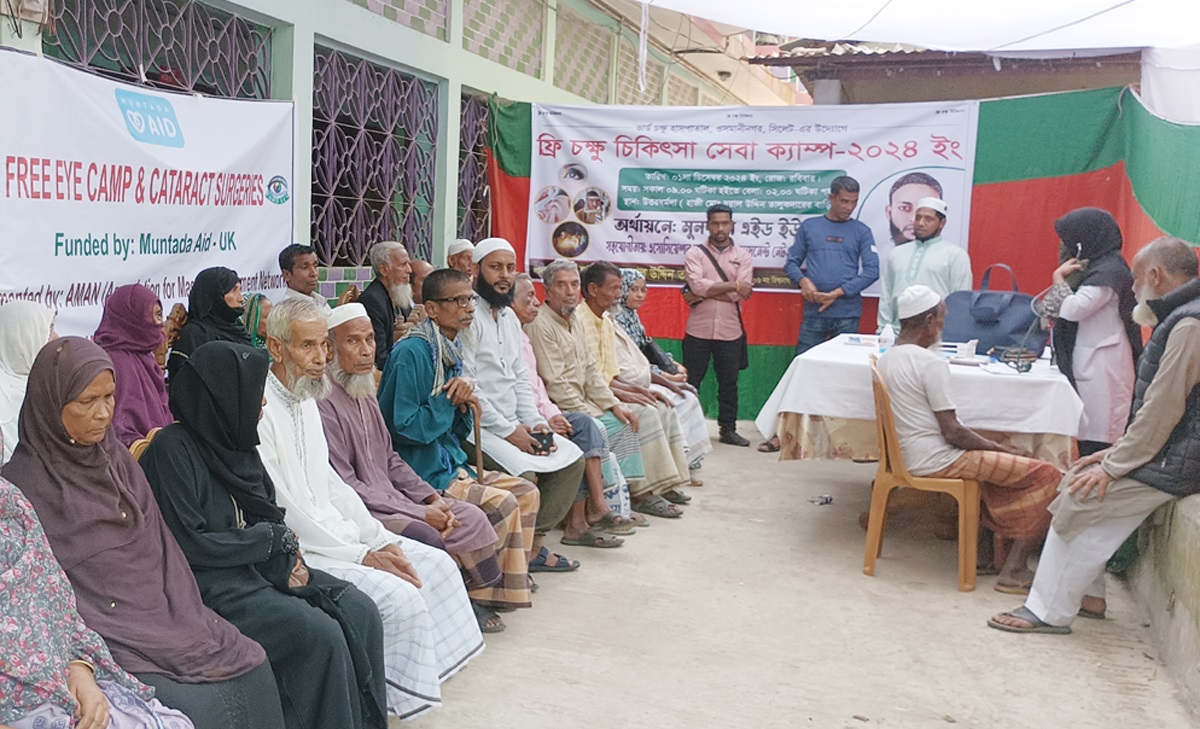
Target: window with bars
[(474, 195), (175, 44), (374, 158)]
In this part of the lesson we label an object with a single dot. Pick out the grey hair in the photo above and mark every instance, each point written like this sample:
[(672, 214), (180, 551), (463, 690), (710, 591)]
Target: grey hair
[(292, 309), (553, 268), (381, 253), (1173, 255)]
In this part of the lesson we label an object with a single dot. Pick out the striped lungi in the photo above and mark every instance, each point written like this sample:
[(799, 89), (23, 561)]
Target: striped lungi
[(1015, 490)]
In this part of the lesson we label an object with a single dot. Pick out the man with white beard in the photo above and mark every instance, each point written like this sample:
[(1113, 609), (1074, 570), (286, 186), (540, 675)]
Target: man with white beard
[(429, 628), (1106, 495), (389, 298)]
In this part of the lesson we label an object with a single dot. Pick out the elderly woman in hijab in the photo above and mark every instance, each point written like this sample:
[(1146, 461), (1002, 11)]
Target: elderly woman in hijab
[(214, 315), (218, 501), (131, 580), (661, 374), (55, 667), (1096, 342), (256, 310), (131, 328), (24, 328)]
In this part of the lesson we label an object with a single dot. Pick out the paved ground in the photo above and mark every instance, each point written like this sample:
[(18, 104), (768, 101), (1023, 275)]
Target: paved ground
[(752, 611)]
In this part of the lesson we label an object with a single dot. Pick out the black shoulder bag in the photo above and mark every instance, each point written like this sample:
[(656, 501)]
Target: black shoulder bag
[(745, 363)]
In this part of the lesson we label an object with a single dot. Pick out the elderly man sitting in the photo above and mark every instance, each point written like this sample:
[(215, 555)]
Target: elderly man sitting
[(488, 544), (1015, 489), (511, 423), (1108, 494), (429, 629), (425, 402), (389, 298)]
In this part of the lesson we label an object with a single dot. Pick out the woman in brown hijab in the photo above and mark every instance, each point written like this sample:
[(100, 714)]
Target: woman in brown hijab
[(132, 583)]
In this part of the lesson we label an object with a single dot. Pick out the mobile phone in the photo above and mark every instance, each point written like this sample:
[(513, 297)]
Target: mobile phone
[(545, 441)]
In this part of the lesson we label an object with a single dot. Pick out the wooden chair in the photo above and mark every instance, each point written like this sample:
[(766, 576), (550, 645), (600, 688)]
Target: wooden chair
[(349, 296), (892, 474), (139, 446)]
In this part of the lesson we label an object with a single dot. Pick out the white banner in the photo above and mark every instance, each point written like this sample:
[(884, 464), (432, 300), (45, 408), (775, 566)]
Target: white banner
[(631, 184), (107, 184)]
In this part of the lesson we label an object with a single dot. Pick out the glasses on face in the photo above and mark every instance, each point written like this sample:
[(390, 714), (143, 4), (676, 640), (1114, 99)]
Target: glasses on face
[(462, 301)]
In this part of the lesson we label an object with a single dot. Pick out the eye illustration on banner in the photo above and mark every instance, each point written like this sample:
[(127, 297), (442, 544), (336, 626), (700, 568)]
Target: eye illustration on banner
[(150, 119), (277, 190), (570, 239)]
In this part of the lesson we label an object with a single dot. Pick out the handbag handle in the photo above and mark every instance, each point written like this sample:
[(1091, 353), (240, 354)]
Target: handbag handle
[(987, 277)]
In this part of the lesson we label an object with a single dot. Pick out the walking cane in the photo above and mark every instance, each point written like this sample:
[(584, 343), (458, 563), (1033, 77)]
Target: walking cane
[(478, 443)]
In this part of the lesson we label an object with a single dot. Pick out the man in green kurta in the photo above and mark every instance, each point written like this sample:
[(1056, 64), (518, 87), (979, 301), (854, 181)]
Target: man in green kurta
[(929, 260)]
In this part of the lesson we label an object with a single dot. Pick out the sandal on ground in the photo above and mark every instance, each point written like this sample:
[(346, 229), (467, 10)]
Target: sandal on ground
[(593, 538), (675, 496), (489, 621), (986, 570), (1036, 625), (561, 565), (769, 446), (613, 523), (639, 520), (695, 483), (1092, 614), (658, 506), (1021, 589)]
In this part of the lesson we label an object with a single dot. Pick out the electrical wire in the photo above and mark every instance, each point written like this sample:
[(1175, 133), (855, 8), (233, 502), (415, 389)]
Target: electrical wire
[(1063, 26), (856, 31)]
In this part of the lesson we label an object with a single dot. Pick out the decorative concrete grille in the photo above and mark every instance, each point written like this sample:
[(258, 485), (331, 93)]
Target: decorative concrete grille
[(474, 195), (582, 56), (176, 44), (426, 16), (680, 92), (508, 32), (374, 161)]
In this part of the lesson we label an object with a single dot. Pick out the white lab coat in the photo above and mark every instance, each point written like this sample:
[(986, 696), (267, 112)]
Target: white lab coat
[(1103, 362)]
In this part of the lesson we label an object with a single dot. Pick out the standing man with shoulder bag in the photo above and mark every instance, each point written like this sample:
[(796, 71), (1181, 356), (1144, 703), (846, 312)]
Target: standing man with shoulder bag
[(720, 276)]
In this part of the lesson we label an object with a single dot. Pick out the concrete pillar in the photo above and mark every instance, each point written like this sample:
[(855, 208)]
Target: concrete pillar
[(827, 91)]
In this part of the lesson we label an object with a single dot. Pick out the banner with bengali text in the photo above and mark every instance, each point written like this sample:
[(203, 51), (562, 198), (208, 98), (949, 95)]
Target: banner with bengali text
[(631, 185), (107, 184)]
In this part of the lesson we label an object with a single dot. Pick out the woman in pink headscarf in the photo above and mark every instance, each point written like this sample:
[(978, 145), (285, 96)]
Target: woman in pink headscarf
[(131, 328)]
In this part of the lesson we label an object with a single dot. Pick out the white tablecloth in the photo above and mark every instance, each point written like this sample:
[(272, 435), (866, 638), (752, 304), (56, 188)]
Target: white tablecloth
[(834, 380)]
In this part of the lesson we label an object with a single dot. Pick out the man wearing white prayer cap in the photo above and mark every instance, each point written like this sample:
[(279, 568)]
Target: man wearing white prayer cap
[(1016, 490), (459, 255), (930, 260), (510, 425)]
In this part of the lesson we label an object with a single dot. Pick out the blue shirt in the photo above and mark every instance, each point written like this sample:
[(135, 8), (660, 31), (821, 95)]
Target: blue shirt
[(834, 255)]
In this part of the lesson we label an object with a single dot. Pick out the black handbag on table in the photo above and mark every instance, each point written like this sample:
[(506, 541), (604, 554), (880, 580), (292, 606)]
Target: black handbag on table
[(998, 319)]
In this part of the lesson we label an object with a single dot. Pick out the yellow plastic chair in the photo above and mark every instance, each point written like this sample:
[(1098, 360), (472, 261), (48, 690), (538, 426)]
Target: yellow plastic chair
[(892, 474), (139, 446)]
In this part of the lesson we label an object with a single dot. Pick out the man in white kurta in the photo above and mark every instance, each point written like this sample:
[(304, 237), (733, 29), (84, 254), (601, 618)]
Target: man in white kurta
[(930, 260), (430, 631), (509, 416)]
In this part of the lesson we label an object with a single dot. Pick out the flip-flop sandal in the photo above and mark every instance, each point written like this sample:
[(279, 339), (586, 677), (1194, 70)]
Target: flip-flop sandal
[(658, 506), (562, 565), (613, 523), (489, 621), (594, 538), (695, 483), (675, 496), (1013, 589), (767, 447), (1092, 614), (639, 520), (1022, 613), (986, 570)]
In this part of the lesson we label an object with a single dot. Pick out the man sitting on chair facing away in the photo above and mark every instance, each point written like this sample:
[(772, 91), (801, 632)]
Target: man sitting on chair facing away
[(1015, 489), (1107, 494)]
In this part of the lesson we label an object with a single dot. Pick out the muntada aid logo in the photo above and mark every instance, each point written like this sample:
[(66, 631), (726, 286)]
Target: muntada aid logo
[(150, 119)]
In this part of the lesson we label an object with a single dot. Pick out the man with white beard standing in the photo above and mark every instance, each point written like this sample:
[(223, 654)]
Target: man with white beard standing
[(1106, 495), (389, 298), (429, 628)]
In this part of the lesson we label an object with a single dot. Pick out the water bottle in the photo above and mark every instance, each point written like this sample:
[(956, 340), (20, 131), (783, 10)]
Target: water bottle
[(886, 339)]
